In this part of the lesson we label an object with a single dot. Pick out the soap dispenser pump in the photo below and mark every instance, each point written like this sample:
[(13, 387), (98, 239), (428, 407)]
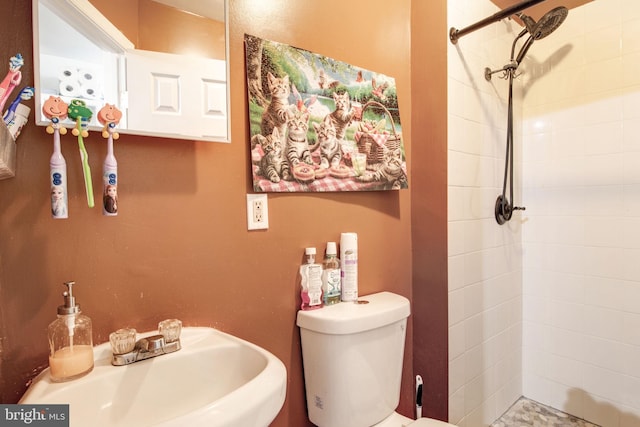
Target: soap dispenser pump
[(70, 341)]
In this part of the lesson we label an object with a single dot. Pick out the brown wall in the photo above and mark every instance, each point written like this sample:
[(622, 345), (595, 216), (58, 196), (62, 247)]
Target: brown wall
[(124, 14), (180, 248), (153, 26), (429, 201), (164, 29)]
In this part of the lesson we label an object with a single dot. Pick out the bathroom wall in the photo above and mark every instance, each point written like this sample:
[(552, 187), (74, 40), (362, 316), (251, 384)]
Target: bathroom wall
[(485, 259), (429, 202), (581, 233), (179, 246), (161, 28)]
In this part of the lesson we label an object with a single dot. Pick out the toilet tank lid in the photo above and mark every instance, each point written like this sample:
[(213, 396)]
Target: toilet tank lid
[(369, 312)]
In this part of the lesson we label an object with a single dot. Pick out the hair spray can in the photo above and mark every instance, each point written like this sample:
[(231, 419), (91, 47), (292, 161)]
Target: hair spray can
[(349, 274)]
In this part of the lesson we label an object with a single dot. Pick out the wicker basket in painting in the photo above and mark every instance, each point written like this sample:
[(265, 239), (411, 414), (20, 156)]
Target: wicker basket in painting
[(367, 143)]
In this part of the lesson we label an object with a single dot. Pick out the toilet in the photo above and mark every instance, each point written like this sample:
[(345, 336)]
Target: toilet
[(352, 354)]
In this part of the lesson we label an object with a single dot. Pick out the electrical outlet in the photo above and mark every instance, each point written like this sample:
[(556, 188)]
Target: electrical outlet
[(257, 212)]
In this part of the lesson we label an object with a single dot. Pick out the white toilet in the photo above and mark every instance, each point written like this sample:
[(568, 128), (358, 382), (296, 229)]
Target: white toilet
[(352, 355)]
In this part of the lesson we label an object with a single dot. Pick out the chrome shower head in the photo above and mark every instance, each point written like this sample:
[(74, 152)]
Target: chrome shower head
[(549, 22)]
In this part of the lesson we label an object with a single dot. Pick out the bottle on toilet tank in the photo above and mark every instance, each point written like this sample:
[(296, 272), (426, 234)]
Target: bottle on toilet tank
[(311, 282), (331, 275), (349, 272)]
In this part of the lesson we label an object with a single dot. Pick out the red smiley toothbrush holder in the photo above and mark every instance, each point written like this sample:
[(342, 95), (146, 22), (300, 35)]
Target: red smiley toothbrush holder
[(109, 116)]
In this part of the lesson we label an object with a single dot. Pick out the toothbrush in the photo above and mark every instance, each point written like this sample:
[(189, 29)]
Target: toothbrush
[(110, 116), (11, 80), (79, 112), (55, 109), (24, 95)]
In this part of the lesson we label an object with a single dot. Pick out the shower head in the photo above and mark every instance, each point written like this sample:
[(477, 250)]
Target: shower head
[(549, 22)]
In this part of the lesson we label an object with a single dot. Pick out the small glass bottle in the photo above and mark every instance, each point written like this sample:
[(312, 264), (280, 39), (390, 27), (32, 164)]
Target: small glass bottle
[(311, 282), (70, 341), (331, 275)]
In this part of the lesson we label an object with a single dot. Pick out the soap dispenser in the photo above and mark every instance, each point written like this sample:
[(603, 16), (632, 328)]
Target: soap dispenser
[(70, 341)]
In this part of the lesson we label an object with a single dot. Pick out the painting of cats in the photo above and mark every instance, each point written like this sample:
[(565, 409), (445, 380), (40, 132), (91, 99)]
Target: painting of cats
[(320, 125)]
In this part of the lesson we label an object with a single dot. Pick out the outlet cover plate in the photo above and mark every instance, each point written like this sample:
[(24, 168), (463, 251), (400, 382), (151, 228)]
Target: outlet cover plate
[(257, 212)]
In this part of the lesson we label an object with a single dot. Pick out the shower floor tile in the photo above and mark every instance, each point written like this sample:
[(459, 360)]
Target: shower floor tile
[(529, 413)]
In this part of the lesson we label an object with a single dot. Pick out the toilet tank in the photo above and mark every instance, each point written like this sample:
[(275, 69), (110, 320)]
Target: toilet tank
[(352, 354)]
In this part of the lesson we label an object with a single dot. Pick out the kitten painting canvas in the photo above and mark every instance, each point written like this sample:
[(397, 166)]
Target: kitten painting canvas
[(320, 125)]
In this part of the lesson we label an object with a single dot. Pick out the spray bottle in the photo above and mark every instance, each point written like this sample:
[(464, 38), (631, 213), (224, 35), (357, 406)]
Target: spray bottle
[(349, 272), (70, 341)]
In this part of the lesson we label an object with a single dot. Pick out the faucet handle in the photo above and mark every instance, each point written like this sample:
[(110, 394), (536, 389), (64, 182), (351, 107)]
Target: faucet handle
[(170, 330), (123, 340)]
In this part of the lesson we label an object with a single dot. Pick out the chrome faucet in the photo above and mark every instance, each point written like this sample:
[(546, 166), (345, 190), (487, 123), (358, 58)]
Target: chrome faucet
[(126, 350)]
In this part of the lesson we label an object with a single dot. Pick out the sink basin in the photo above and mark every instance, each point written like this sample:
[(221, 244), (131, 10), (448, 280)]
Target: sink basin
[(216, 379)]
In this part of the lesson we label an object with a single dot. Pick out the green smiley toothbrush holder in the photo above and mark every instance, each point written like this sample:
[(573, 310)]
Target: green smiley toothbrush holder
[(79, 112)]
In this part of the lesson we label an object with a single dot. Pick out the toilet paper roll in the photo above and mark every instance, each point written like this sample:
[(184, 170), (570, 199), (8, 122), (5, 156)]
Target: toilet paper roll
[(86, 76), (89, 91), (69, 87), (68, 73)]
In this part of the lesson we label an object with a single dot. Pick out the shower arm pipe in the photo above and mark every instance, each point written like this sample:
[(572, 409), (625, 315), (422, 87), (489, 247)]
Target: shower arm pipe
[(455, 34)]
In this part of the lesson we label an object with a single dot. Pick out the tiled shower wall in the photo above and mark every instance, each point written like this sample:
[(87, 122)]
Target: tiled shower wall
[(581, 234), (485, 260), (572, 260)]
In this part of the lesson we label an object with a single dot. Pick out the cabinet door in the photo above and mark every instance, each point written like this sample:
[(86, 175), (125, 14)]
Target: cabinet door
[(170, 93)]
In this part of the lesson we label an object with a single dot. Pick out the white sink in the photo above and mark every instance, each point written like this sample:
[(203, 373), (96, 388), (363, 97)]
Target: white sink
[(216, 379)]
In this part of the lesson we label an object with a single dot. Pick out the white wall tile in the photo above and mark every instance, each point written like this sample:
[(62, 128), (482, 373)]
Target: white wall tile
[(602, 13), (630, 132), (631, 328), (585, 242), (630, 10), (456, 343), (456, 307), (607, 75), (456, 373), (603, 412), (575, 253), (563, 370), (630, 64), (456, 237), (603, 44), (631, 102), (604, 323), (456, 406), (631, 35)]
